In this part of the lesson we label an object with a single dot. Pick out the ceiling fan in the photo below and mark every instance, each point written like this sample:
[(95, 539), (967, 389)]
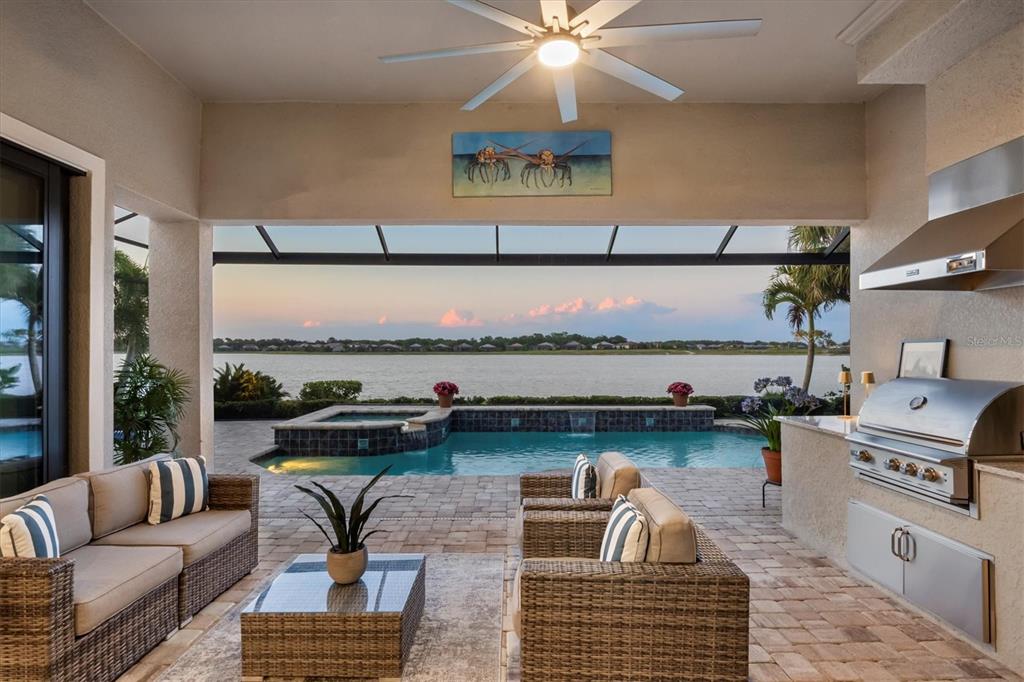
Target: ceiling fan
[(567, 37)]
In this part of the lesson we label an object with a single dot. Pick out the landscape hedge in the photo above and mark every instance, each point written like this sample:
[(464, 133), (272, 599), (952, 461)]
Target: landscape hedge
[(726, 406)]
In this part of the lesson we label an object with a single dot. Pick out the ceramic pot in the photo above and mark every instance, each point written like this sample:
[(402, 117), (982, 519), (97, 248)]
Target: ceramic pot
[(772, 464), (680, 399), (444, 400), (347, 568)]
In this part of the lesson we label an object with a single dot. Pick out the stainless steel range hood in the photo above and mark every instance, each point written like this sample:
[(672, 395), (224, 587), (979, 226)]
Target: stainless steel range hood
[(975, 237)]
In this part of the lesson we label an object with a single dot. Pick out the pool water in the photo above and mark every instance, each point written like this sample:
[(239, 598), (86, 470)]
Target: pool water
[(371, 417), (501, 454)]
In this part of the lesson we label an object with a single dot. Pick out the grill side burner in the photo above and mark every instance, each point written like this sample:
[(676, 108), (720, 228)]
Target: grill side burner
[(919, 436)]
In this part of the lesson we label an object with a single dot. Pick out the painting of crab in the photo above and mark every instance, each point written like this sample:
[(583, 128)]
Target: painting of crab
[(489, 166)]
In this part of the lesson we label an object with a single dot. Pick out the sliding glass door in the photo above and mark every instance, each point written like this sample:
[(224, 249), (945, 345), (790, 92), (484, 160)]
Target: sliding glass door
[(33, 320)]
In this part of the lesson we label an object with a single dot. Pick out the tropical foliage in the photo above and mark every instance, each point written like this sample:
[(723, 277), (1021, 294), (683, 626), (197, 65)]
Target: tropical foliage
[(348, 532), (808, 291), (149, 402), (22, 283), (235, 383), (131, 306), (337, 390)]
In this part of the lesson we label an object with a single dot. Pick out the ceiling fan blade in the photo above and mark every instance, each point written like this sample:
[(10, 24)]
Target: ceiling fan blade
[(517, 70), (599, 14), (565, 91), (510, 46), (697, 30), (555, 10), (495, 14), (634, 75)]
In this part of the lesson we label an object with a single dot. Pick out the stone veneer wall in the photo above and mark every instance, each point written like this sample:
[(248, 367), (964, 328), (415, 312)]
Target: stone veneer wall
[(327, 442)]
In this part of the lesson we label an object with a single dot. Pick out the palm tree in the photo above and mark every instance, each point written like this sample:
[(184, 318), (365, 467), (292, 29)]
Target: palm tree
[(131, 305), (808, 290)]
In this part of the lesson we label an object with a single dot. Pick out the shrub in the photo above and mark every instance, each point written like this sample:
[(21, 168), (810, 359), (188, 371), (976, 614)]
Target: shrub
[(338, 390), (236, 383)]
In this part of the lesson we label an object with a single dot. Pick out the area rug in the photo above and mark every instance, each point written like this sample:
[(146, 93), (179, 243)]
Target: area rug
[(459, 637)]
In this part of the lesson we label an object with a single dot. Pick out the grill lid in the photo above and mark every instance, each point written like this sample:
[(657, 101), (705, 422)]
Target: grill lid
[(966, 417)]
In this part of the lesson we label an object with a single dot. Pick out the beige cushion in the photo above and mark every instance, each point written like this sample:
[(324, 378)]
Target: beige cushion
[(69, 498), (107, 579), (196, 534), (616, 475), (119, 497), (672, 538)]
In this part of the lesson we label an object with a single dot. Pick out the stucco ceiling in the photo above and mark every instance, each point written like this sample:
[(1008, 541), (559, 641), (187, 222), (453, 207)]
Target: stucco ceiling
[(316, 50)]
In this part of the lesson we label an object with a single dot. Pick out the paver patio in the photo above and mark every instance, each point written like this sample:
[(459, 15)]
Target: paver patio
[(810, 620)]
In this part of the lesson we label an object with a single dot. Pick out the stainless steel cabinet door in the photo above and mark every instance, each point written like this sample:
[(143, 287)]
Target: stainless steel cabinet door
[(949, 579), (869, 542)]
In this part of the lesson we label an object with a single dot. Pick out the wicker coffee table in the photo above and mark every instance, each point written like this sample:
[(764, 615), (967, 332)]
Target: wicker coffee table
[(303, 624)]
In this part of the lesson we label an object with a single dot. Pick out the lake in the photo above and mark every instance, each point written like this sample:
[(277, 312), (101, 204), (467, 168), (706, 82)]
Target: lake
[(387, 376)]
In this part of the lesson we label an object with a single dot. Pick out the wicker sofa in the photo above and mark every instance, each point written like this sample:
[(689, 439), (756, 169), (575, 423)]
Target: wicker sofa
[(120, 586), (579, 618), (616, 475)]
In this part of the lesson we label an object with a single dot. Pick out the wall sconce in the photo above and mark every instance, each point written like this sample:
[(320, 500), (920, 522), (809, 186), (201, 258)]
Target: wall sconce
[(845, 379), (868, 379)]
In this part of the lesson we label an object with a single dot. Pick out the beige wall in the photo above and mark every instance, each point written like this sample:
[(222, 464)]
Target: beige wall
[(671, 163), (911, 130)]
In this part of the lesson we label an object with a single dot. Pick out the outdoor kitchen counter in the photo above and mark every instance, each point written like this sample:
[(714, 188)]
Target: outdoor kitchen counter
[(817, 481)]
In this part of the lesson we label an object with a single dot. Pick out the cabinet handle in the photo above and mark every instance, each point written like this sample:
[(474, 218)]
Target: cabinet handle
[(909, 550), (893, 541)]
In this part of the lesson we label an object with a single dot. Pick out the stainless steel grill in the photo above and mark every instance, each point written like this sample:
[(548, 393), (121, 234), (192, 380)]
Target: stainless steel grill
[(920, 435)]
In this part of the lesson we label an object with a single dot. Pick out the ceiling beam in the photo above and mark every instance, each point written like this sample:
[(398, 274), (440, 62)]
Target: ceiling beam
[(837, 241), (725, 241), (125, 218), (611, 243), (125, 240), (383, 244), (270, 242), (497, 245), (532, 259)]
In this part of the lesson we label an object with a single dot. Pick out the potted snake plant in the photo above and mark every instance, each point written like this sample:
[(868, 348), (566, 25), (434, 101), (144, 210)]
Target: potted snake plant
[(347, 556)]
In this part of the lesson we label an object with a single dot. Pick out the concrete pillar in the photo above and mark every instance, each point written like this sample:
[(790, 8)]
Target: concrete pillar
[(181, 320)]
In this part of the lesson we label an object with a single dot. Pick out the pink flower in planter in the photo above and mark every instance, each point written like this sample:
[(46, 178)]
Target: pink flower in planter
[(446, 388), (680, 387)]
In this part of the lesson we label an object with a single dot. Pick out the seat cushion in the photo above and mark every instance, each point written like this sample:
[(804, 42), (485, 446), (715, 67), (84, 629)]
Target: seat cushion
[(616, 475), (107, 579), (69, 499), (672, 538), (196, 534), (119, 497)]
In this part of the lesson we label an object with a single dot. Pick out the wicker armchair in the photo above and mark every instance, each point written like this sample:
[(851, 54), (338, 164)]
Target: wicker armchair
[(583, 619), (553, 491)]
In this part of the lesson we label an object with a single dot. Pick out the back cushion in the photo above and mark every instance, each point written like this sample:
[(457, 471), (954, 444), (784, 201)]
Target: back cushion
[(119, 497), (616, 475), (584, 479), (673, 539), (69, 498)]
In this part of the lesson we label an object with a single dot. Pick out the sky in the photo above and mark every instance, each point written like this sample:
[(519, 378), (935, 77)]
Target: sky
[(376, 302)]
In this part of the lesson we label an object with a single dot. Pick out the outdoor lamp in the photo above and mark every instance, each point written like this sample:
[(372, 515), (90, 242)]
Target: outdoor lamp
[(868, 379), (845, 379)]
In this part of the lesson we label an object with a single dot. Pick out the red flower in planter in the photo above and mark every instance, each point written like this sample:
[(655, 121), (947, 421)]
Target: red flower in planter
[(680, 387), (446, 388)]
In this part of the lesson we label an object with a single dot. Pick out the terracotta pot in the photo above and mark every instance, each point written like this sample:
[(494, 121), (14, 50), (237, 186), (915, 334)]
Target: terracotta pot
[(772, 464), (444, 400), (680, 399), (347, 568)]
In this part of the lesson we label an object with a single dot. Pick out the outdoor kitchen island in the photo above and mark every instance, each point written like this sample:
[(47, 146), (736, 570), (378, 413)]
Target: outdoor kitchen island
[(821, 492)]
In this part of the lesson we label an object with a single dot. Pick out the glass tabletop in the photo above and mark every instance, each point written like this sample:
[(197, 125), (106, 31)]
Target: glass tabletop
[(305, 587)]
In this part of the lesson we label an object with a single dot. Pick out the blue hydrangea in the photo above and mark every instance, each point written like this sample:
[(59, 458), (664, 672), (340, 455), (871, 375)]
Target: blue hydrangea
[(751, 404), (762, 383), (783, 382)]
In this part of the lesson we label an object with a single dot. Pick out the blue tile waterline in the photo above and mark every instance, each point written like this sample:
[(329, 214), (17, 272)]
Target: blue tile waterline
[(503, 454)]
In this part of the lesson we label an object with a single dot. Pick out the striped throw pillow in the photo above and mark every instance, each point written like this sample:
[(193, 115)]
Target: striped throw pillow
[(625, 537), (177, 487), (30, 531), (584, 479)]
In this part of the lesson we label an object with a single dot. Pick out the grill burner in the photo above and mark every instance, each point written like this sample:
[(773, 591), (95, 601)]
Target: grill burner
[(920, 436)]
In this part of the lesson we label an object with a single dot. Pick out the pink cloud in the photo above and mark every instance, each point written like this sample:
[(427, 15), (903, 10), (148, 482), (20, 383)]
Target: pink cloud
[(580, 306), (383, 319), (459, 318), (309, 324)]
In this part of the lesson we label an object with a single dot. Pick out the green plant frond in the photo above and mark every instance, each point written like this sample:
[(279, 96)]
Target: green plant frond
[(365, 516), (317, 523), (339, 509), (357, 505), (362, 541), (339, 529)]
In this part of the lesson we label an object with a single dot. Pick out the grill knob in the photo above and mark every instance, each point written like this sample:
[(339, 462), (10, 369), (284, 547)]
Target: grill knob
[(931, 474), (864, 456), (893, 464), (910, 469)]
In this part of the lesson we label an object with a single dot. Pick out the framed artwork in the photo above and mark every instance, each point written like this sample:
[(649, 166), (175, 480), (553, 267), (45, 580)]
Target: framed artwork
[(923, 358), (532, 164)]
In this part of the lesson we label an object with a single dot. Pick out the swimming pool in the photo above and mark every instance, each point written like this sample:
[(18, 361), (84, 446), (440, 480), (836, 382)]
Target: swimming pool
[(500, 454)]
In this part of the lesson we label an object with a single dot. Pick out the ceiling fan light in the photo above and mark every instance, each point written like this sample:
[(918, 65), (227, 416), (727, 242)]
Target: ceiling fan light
[(558, 52)]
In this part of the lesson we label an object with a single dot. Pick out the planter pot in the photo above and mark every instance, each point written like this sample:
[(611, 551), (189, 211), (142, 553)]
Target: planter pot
[(444, 400), (680, 399), (346, 569), (772, 465)]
